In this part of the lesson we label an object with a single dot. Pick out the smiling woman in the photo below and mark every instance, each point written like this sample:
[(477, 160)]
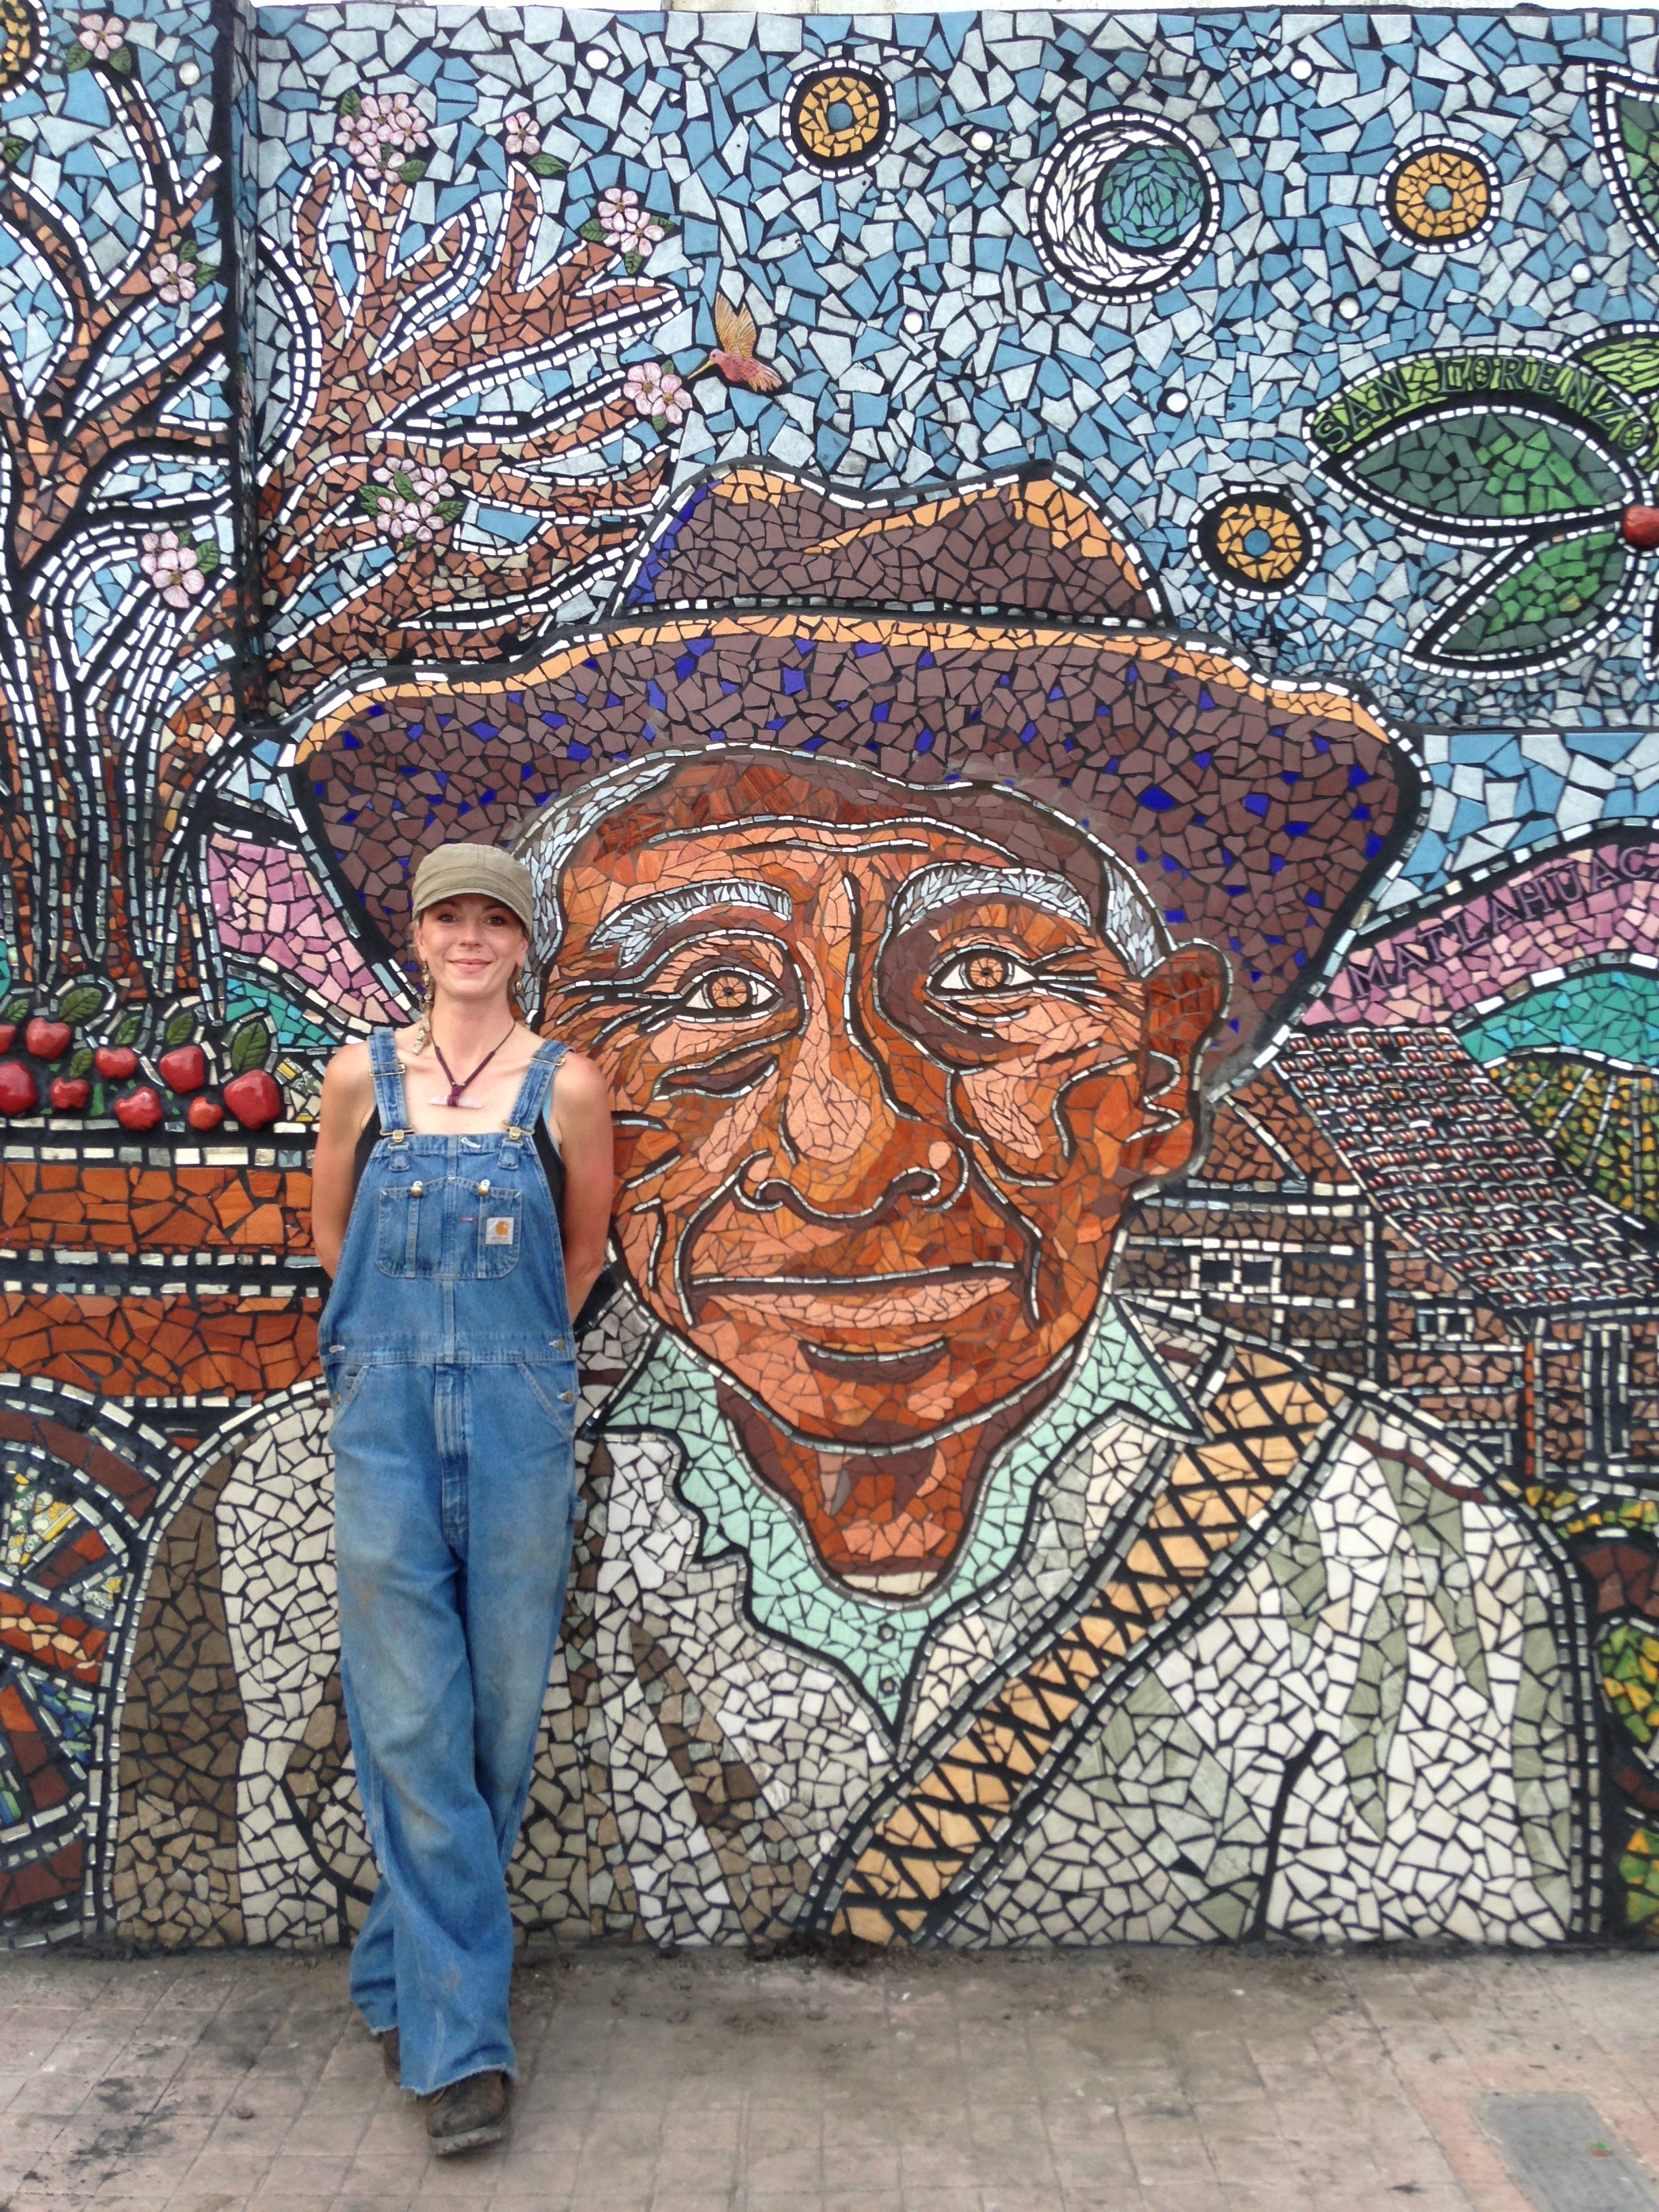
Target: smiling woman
[(457, 1257)]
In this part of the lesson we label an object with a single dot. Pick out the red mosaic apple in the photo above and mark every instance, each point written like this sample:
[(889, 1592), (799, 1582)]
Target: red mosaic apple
[(204, 1113), (115, 1062), (254, 1098), (183, 1068), (18, 1092), (139, 1109), (70, 1093), (47, 1040), (8, 1035)]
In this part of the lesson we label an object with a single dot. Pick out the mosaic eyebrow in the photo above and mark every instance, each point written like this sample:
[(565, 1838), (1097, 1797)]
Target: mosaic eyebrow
[(631, 929), (951, 880)]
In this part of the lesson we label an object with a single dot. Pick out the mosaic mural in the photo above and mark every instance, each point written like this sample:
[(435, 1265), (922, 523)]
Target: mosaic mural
[(1062, 607)]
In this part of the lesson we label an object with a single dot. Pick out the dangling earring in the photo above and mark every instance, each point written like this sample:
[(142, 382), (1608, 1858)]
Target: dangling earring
[(427, 995)]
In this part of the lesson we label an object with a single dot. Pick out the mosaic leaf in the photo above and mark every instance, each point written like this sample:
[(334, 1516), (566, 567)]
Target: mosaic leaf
[(250, 1047), (1464, 471), (1629, 359), (1633, 148), (1523, 611), (1406, 389), (1629, 1659)]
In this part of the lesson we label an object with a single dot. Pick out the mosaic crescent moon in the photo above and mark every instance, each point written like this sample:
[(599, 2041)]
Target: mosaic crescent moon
[(1123, 205)]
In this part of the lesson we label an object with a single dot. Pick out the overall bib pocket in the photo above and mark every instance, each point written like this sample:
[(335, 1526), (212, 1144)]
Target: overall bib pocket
[(494, 1214), (409, 1236)]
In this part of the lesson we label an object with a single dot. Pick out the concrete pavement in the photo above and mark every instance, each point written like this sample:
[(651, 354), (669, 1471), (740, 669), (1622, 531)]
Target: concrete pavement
[(1124, 2082)]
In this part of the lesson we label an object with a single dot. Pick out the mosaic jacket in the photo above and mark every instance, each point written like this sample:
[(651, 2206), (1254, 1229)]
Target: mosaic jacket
[(1259, 1636)]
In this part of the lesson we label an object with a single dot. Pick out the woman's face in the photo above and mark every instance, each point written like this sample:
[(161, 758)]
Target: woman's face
[(472, 946)]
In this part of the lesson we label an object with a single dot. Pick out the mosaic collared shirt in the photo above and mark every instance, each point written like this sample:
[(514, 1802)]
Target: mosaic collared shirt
[(1227, 1641)]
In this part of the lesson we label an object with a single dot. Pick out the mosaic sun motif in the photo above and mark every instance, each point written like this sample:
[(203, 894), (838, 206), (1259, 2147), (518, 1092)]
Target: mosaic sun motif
[(1258, 541), (840, 118), (1438, 193)]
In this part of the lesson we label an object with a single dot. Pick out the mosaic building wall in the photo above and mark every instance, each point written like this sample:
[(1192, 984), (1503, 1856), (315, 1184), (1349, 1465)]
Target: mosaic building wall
[(1062, 606)]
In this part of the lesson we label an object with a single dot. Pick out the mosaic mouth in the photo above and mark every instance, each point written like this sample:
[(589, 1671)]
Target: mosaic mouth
[(863, 1302), (890, 1366)]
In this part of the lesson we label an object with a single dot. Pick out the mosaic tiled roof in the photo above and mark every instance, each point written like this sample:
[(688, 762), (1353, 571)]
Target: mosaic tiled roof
[(1444, 1156)]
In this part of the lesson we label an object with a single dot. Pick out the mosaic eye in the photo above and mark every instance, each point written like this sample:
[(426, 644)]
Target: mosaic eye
[(982, 969), (840, 118), (1124, 204), (1438, 194), (730, 992), (1256, 541)]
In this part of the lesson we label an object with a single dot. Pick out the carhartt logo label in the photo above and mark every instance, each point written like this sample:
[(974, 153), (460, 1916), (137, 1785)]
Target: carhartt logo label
[(498, 1229)]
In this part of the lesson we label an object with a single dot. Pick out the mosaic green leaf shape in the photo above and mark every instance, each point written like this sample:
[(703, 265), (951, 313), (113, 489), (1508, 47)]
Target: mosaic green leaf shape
[(1629, 359), (1632, 118), (1466, 471), (1535, 606), (1405, 389)]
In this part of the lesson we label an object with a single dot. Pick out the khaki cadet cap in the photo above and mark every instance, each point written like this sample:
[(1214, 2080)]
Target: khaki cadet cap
[(476, 872)]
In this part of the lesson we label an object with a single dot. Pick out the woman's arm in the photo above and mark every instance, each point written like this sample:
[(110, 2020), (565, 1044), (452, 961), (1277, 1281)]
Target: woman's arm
[(348, 1094), (582, 1114)]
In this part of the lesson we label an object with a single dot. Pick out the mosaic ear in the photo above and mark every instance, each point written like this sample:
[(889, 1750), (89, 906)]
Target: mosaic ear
[(1185, 997), (1025, 542)]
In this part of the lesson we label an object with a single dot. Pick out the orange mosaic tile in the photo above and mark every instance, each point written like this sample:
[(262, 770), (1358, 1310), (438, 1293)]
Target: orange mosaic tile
[(129, 1209), (159, 1347)]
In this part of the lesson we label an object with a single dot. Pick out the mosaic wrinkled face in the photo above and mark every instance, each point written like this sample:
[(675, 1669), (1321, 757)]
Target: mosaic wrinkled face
[(885, 1073)]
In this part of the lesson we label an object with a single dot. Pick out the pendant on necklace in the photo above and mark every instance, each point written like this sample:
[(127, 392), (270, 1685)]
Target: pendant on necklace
[(467, 1105)]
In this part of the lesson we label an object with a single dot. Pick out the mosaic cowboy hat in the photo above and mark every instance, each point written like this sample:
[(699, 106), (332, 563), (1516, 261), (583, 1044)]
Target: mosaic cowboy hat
[(997, 632)]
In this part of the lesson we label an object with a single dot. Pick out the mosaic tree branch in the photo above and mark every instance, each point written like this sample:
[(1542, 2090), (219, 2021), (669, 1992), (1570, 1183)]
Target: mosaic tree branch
[(375, 461), (72, 853)]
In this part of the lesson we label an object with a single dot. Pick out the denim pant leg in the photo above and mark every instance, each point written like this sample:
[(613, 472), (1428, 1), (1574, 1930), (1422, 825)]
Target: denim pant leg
[(454, 1492), (521, 1501), (400, 1538)]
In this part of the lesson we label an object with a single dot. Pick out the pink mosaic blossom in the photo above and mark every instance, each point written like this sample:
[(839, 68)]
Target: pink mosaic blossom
[(656, 392), (388, 125), (174, 278), (173, 568), (521, 136), (408, 510), (102, 35), (405, 521), (628, 229)]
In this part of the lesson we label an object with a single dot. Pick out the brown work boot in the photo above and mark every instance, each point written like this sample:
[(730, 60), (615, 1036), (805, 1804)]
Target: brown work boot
[(390, 2057), (469, 2113)]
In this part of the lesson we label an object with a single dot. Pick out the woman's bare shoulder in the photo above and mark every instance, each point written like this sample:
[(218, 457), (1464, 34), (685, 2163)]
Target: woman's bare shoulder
[(581, 1082), (348, 1076)]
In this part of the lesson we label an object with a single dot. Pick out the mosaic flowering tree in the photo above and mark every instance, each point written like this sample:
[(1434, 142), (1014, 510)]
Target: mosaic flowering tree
[(82, 721), (403, 502)]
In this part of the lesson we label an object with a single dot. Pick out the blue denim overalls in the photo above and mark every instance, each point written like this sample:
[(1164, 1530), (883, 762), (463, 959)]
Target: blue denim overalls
[(447, 1347)]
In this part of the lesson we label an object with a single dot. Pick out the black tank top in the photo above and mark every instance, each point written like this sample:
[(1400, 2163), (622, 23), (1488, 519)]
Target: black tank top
[(546, 1152)]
